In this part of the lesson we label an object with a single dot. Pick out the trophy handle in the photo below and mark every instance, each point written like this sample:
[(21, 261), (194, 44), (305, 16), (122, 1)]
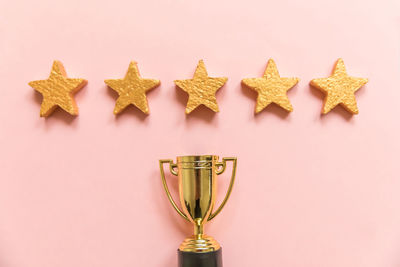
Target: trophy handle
[(228, 193), (172, 165)]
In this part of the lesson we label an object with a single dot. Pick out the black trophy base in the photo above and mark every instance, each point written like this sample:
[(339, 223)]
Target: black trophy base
[(200, 259)]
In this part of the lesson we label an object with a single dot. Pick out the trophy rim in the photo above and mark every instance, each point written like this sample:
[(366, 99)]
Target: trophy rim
[(201, 157)]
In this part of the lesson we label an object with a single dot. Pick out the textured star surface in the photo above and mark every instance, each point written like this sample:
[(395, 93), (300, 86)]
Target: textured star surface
[(58, 91), (201, 89), (132, 89), (339, 88), (271, 88)]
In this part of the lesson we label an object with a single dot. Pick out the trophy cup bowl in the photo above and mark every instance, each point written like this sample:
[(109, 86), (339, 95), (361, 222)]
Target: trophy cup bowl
[(197, 179)]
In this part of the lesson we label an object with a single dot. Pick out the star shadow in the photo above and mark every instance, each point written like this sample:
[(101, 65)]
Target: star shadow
[(200, 113), (339, 110), (130, 110), (58, 114), (271, 108)]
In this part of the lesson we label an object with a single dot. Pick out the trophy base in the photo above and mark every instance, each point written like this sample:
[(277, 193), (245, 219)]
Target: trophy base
[(200, 259), (202, 243)]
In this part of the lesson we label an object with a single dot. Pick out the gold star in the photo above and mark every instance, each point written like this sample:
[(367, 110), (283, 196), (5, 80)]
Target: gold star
[(271, 88), (58, 90), (132, 89), (339, 89), (201, 89)]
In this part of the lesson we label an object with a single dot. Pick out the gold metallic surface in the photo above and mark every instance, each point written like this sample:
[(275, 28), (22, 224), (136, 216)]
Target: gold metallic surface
[(271, 88), (204, 244), (339, 89), (132, 89), (201, 89), (197, 179), (58, 90)]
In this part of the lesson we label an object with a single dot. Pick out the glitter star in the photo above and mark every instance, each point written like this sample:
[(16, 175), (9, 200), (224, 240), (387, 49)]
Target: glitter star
[(201, 89), (339, 89), (132, 89), (271, 88), (58, 90)]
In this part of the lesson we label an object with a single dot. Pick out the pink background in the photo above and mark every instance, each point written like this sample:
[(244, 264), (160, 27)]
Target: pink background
[(311, 190)]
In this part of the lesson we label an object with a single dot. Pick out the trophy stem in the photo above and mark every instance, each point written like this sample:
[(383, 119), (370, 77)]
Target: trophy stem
[(198, 229)]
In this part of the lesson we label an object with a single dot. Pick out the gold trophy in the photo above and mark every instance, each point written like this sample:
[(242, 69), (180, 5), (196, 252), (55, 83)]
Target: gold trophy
[(197, 178)]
